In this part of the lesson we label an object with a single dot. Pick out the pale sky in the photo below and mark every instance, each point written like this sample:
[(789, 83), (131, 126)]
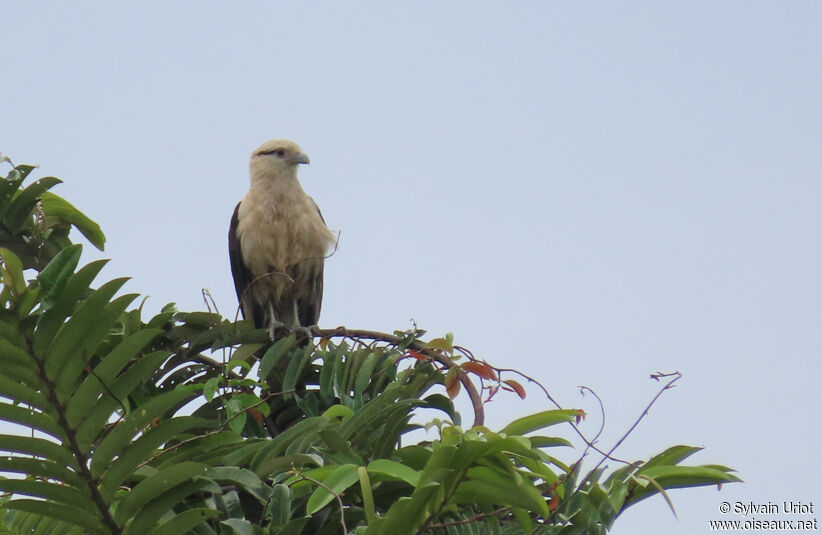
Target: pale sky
[(589, 192)]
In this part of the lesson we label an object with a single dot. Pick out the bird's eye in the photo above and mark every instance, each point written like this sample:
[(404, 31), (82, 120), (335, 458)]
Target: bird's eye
[(276, 152)]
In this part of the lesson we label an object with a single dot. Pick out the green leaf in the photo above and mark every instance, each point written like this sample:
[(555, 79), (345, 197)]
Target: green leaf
[(367, 494), (338, 411), (21, 393), (386, 372), (299, 360), (438, 463), (660, 489), (99, 383), (26, 301), (209, 448), (407, 515), (55, 275), (124, 431), (336, 443), (31, 419), (91, 523), (12, 271), (144, 448), (372, 415), (228, 502), (10, 353), (672, 455), (310, 427), (82, 332), (440, 343), (282, 463), (185, 521), (395, 470), (443, 403), (116, 394), (243, 353), (327, 374), (279, 506), (338, 480), (54, 493), (528, 424), (486, 485), (73, 368), (238, 526), (669, 477), (524, 519), (162, 504), (236, 414), (38, 447), (155, 485), (20, 209), (243, 477), (19, 173), (414, 456), (274, 354), (549, 442), (50, 322), (687, 476), (56, 207), (617, 493), (210, 388), (345, 370), (294, 526), (365, 373), (43, 468)]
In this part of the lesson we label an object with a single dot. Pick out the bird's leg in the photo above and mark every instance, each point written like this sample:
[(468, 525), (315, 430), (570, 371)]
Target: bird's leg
[(272, 329), (305, 331), (273, 323)]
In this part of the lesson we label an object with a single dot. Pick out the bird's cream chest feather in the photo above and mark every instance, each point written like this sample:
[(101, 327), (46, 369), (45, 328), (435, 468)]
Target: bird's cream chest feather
[(280, 228)]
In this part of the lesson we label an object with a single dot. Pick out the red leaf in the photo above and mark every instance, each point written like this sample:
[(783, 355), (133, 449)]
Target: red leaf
[(452, 382), (416, 355), (256, 414), (481, 369), (554, 503), (516, 387), (491, 393)]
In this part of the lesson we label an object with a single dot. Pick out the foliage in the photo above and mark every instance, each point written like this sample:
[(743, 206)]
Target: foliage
[(130, 425)]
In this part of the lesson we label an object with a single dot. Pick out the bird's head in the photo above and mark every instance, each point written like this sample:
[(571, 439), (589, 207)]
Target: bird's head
[(277, 157)]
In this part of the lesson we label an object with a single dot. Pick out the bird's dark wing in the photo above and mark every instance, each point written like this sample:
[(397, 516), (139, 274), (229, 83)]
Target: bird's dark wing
[(242, 275), (310, 303)]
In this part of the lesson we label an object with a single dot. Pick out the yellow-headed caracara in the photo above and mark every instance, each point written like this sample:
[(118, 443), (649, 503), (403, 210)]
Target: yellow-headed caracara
[(278, 242)]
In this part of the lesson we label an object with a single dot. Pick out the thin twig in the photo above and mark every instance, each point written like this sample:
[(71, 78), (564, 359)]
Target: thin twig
[(657, 376), (475, 518), (330, 491), (209, 301), (589, 443), (582, 390)]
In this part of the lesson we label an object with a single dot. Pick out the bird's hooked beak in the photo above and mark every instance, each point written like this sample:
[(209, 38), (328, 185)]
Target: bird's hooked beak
[(301, 158)]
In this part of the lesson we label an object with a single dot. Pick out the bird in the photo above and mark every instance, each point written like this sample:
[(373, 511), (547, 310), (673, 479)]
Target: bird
[(277, 244)]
